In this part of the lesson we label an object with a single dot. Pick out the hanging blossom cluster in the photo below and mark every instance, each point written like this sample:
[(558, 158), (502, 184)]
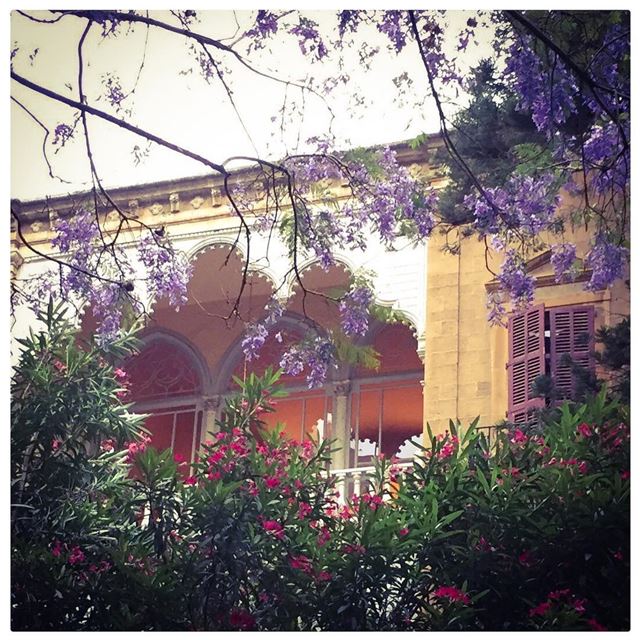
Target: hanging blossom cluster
[(515, 280), (309, 39), (316, 354), (78, 238), (256, 333), (605, 154), (354, 309), (548, 95), (395, 198), (525, 203), (168, 270), (385, 198), (563, 259), (266, 25), (607, 262)]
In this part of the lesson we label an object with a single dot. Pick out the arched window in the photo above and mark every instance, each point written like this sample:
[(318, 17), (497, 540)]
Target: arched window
[(167, 382), (387, 404)]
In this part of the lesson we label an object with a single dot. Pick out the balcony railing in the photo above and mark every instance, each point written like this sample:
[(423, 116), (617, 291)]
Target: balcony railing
[(358, 480)]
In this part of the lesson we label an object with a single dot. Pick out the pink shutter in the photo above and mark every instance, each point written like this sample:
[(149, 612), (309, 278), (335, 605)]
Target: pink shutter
[(526, 362), (572, 334)]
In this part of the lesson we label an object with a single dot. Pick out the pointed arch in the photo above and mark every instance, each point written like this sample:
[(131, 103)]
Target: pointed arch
[(167, 366)]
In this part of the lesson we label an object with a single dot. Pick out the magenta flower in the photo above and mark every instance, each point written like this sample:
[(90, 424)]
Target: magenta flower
[(301, 562), (76, 556), (191, 480), (271, 482), (585, 430), (453, 594), (540, 610), (403, 532), (56, 552), (274, 527)]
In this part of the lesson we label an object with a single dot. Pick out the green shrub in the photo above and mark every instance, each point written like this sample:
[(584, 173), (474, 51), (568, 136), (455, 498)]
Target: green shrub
[(108, 533)]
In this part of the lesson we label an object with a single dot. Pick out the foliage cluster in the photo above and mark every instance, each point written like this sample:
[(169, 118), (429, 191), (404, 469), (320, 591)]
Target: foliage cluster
[(528, 532)]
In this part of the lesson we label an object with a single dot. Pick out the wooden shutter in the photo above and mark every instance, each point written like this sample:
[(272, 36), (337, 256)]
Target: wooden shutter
[(572, 334), (526, 362)]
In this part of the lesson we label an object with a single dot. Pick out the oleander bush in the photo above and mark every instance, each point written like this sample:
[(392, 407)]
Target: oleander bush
[(530, 533)]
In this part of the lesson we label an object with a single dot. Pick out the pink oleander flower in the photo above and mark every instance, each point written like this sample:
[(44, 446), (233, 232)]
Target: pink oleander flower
[(583, 467), (618, 555), (526, 558), (323, 576), (585, 430), (345, 512), (191, 480), (540, 610), (518, 437), (579, 605), (120, 374), (595, 625), (355, 549), (55, 444), (108, 445), (625, 475), (60, 366), (514, 472), (241, 619), (324, 536), (56, 551), (274, 527), (76, 556), (271, 482), (214, 475), (403, 532), (179, 458), (559, 594), (301, 562), (453, 594), (308, 449), (304, 509), (263, 597)]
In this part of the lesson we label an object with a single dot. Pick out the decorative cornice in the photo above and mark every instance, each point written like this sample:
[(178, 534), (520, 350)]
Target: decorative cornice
[(544, 281), (168, 195)]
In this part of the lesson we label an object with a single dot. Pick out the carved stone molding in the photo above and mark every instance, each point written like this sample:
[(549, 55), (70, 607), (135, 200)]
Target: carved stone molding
[(197, 202), (16, 262), (174, 202), (342, 388), (212, 403), (216, 198), (36, 226), (113, 216), (133, 208), (156, 209)]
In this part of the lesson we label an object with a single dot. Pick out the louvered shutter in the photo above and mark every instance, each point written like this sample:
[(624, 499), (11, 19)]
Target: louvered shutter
[(572, 334), (526, 362)]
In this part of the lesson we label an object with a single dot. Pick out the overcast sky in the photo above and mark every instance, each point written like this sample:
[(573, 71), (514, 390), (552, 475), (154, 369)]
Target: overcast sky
[(173, 101)]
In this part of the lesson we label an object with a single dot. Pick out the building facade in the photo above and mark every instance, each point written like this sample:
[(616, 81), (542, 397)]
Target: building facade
[(443, 362)]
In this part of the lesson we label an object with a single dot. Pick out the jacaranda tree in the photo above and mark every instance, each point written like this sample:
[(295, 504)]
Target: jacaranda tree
[(558, 93)]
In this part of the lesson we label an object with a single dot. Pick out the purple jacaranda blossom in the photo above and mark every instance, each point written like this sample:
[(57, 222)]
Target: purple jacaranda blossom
[(515, 281), (607, 262), (354, 310)]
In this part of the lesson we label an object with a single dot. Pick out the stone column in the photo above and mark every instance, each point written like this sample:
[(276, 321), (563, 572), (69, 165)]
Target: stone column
[(341, 425), (209, 415)]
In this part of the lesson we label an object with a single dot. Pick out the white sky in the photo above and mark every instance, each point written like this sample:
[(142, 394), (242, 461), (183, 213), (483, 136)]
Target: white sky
[(187, 111)]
